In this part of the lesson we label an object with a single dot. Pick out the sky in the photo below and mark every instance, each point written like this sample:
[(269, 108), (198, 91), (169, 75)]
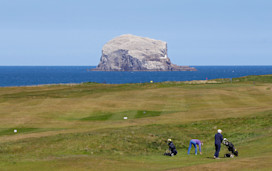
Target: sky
[(197, 32)]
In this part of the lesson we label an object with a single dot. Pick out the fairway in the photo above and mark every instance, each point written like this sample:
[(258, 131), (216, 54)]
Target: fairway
[(82, 126)]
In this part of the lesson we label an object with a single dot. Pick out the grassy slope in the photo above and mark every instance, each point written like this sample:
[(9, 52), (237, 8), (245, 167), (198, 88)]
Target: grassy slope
[(68, 127)]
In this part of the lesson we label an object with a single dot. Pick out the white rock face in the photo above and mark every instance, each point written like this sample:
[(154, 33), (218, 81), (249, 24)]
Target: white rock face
[(134, 53)]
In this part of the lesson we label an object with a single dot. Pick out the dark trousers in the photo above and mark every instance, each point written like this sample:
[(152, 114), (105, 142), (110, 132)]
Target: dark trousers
[(217, 149)]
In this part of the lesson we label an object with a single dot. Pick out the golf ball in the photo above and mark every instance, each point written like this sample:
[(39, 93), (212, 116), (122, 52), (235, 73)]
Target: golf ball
[(15, 130), (125, 117)]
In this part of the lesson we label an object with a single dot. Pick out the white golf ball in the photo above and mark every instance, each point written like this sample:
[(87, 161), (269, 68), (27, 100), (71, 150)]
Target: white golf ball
[(125, 117), (15, 130)]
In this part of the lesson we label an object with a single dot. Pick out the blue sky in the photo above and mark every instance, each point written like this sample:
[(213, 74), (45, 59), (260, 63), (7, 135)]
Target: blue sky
[(198, 32)]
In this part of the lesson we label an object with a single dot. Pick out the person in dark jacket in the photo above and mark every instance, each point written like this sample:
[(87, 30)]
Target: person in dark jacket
[(172, 149), (218, 140)]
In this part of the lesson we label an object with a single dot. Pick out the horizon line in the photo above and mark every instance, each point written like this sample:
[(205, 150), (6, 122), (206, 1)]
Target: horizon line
[(96, 65)]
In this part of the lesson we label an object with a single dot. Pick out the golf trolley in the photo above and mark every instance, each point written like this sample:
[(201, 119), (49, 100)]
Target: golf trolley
[(231, 149)]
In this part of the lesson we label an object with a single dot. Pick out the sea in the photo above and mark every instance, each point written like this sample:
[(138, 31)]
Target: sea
[(39, 75)]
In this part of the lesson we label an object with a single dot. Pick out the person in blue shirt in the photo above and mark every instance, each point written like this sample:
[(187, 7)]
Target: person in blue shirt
[(218, 138), (195, 142)]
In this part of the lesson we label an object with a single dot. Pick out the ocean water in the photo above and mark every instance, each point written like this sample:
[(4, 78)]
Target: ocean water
[(36, 75)]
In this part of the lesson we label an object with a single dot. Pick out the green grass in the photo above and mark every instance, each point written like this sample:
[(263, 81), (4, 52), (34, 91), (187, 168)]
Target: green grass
[(131, 114), (254, 78), (10, 131), (143, 114), (102, 117), (82, 127), (20, 130), (149, 139)]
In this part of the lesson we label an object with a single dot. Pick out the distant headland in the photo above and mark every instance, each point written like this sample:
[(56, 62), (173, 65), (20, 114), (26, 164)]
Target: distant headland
[(133, 53)]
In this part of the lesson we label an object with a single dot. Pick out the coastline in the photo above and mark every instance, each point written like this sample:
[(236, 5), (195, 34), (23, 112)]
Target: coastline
[(192, 82)]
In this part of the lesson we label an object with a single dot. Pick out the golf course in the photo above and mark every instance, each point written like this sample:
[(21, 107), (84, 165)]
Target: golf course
[(92, 126)]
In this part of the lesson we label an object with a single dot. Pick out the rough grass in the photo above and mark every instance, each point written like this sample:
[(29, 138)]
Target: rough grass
[(81, 127)]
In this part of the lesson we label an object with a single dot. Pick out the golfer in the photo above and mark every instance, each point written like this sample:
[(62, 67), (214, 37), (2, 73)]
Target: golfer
[(218, 140), (172, 149), (195, 142)]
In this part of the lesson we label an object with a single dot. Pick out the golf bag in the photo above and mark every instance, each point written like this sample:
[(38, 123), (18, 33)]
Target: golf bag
[(231, 149)]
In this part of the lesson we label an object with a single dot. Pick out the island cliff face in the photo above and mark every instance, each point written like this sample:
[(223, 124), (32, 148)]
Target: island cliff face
[(134, 53)]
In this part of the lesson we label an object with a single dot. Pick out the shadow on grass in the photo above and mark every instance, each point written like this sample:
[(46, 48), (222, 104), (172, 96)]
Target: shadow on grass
[(209, 158)]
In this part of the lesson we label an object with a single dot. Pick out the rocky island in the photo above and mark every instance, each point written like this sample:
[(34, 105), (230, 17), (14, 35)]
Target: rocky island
[(133, 53)]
